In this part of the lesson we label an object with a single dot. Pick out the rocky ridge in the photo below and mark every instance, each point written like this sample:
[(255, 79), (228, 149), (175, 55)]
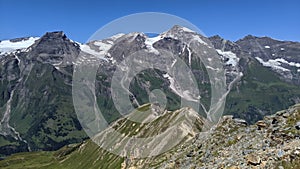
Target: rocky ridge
[(270, 143), (233, 144)]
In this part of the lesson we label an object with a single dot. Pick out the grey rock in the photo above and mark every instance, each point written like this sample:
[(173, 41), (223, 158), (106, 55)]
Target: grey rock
[(297, 126)]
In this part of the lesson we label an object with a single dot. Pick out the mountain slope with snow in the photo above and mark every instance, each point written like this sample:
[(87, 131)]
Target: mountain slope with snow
[(36, 107)]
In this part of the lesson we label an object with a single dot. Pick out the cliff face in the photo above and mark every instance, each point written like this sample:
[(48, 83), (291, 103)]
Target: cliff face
[(270, 143)]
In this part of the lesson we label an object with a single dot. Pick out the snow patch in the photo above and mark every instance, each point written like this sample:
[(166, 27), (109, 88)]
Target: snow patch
[(190, 56), (19, 61), (232, 58), (8, 46), (215, 69), (103, 47), (286, 62), (173, 63), (274, 64), (197, 38), (187, 30), (149, 43), (294, 64), (110, 42), (87, 49), (117, 36)]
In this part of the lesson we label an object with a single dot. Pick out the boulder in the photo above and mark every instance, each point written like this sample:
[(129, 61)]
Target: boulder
[(253, 159), (297, 126), (240, 121), (261, 124)]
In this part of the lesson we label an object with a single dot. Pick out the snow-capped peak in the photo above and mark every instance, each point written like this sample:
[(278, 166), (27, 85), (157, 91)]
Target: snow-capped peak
[(117, 36), (178, 28), (187, 29)]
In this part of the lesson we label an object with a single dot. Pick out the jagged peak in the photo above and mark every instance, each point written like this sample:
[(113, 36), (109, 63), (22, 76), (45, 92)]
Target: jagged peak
[(249, 37), (252, 37), (54, 35), (179, 28), (54, 48), (216, 37)]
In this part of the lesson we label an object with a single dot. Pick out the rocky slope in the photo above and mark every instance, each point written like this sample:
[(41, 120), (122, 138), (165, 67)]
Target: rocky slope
[(36, 108), (278, 55), (270, 143)]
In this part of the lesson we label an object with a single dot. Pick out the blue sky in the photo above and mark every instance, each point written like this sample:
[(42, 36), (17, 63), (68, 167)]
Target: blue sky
[(231, 19)]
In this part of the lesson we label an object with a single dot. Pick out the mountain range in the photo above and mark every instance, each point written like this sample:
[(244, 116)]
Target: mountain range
[(262, 76)]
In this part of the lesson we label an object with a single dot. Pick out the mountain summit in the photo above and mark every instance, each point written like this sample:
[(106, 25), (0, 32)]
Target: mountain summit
[(55, 48)]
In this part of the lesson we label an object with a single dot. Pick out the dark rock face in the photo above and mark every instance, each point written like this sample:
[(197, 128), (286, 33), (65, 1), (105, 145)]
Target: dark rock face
[(54, 48), (10, 73), (225, 45)]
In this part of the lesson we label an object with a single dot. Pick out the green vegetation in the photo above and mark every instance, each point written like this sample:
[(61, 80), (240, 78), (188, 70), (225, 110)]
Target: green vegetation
[(260, 93), (90, 155), (77, 156), (42, 110)]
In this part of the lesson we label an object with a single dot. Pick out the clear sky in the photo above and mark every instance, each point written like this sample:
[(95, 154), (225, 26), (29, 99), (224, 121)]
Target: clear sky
[(231, 19)]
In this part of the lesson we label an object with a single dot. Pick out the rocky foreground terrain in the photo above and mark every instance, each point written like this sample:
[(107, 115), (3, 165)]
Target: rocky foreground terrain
[(270, 143)]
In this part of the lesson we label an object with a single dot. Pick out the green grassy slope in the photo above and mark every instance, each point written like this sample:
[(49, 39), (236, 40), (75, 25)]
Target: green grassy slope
[(89, 155)]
